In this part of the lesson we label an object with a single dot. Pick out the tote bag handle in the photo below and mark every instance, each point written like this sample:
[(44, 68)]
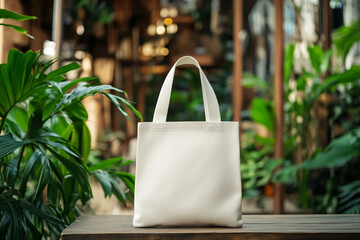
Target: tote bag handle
[(211, 106)]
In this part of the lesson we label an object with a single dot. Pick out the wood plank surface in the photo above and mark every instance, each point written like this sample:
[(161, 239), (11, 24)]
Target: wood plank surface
[(262, 227)]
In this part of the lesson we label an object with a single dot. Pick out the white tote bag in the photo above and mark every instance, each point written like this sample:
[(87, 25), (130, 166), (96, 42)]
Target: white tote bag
[(188, 173)]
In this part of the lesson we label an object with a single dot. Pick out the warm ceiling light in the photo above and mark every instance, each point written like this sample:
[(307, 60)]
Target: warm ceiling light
[(160, 30), (80, 29), (171, 29), (173, 12), (164, 12), (164, 51), (168, 21), (151, 30)]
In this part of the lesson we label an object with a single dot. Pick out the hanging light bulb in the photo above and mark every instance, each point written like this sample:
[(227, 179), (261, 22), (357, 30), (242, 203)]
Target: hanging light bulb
[(172, 29), (160, 29), (151, 30), (173, 12), (164, 12), (80, 29), (168, 21)]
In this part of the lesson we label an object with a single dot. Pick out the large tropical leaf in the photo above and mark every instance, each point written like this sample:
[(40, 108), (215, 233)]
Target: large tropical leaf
[(6, 14), (43, 215), (8, 145), (107, 164), (251, 81), (27, 170), (339, 152), (288, 61), (83, 90), (344, 37), (350, 198), (316, 55), (14, 15), (262, 112), (16, 79), (9, 221), (44, 177), (62, 70), (12, 172), (349, 76), (76, 169)]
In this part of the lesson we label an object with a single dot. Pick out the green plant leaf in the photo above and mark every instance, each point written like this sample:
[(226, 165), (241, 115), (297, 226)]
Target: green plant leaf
[(137, 113), (62, 70), (117, 104), (43, 215), (15, 16), (106, 164), (128, 181), (76, 169), (57, 145), (333, 157), (344, 38), (316, 55), (67, 85), (16, 80), (325, 62), (262, 112), (350, 75), (19, 115), (250, 81), (105, 180), (116, 188), (82, 91), (9, 216), (125, 174), (33, 230), (348, 138), (60, 124), (288, 61), (8, 145), (301, 80), (18, 29), (12, 172), (80, 138), (76, 110), (350, 197), (55, 170), (44, 177), (266, 141), (27, 170), (287, 174)]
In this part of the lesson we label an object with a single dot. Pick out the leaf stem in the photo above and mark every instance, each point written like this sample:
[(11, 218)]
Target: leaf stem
[(3, 119), (19, 161)]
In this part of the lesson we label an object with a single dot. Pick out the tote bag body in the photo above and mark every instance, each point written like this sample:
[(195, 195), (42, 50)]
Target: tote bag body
[(188, 173)]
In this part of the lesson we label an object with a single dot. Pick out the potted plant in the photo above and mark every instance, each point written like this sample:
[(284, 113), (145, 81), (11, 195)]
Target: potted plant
[(45, 144)]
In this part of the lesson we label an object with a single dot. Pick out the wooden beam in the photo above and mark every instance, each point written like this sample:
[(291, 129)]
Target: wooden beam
[(57, 29), (327, 24), (2, 36), (238, 63), (279, 99)]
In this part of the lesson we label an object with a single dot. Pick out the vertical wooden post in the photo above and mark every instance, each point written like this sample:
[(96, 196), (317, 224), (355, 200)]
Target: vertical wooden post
[(327, 23), (141, 99), (279, 99), (57, 28), (238, 63), (2, 36)]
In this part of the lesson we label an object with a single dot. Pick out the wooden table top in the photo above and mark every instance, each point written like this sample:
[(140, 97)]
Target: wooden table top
[(262, 227)]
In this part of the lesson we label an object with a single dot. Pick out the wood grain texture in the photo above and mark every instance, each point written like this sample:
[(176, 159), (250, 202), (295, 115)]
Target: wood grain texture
[(279, 99), (262, 227)]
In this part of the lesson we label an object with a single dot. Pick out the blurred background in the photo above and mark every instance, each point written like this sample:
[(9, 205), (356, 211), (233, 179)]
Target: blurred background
[(287, 70)]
